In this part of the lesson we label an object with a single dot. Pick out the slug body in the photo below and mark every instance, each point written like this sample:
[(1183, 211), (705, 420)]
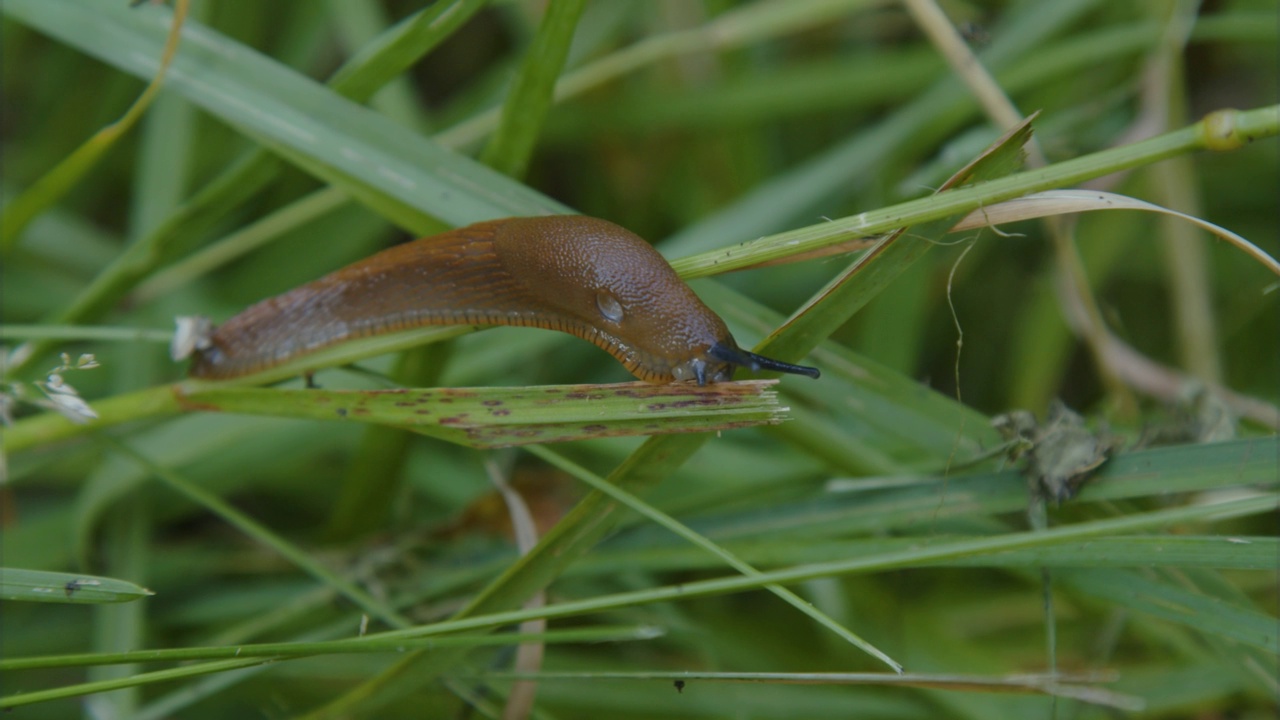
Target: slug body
[(571, 273)]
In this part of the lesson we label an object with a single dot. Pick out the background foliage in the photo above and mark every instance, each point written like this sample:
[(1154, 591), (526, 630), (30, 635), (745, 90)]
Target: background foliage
[(699, 125)]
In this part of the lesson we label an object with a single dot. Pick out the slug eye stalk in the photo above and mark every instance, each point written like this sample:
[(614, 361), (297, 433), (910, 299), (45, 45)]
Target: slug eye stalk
[(747, 359)]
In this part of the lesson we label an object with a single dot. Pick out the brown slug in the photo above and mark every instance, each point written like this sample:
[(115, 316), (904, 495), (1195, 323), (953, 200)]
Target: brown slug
[(571, 273)]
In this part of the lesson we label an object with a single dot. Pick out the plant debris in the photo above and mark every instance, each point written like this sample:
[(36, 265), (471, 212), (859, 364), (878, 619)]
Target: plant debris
[(1061, 454)]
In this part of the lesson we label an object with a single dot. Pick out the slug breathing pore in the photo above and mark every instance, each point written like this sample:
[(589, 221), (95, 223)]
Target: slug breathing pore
[(572, 273)]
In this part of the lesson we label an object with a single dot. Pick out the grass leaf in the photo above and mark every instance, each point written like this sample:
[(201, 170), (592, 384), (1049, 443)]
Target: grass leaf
[(59, 587)]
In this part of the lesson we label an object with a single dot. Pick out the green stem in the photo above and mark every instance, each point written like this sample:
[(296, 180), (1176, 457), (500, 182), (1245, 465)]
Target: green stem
[(1221, 130), (369, 644), (132, 681)]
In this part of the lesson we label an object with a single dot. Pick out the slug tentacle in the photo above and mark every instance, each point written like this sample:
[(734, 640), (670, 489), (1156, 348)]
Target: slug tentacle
[(752, 361), (575, 274)]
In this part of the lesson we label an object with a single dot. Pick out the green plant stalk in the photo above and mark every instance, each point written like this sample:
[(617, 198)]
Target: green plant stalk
[(84, 332), (631, 501), (267, 538), (133, 681), (1219, 131), (877, 268), (369, 644), (58, 182), (1187, 258), (1163, 95), (532, 93), (1189, 285)]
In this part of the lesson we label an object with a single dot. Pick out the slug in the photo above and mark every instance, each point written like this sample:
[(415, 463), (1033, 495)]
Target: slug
[(571, 273)]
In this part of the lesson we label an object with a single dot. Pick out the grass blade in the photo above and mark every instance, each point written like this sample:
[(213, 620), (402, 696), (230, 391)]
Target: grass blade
[(501, 417), (59, 587)]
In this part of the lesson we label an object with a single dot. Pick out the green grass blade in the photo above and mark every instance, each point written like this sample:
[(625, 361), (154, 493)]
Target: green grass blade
[(66, 691), (500, 417), (58, 587), (526, 106), (84, 332), (348, 646), (396, 50)]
